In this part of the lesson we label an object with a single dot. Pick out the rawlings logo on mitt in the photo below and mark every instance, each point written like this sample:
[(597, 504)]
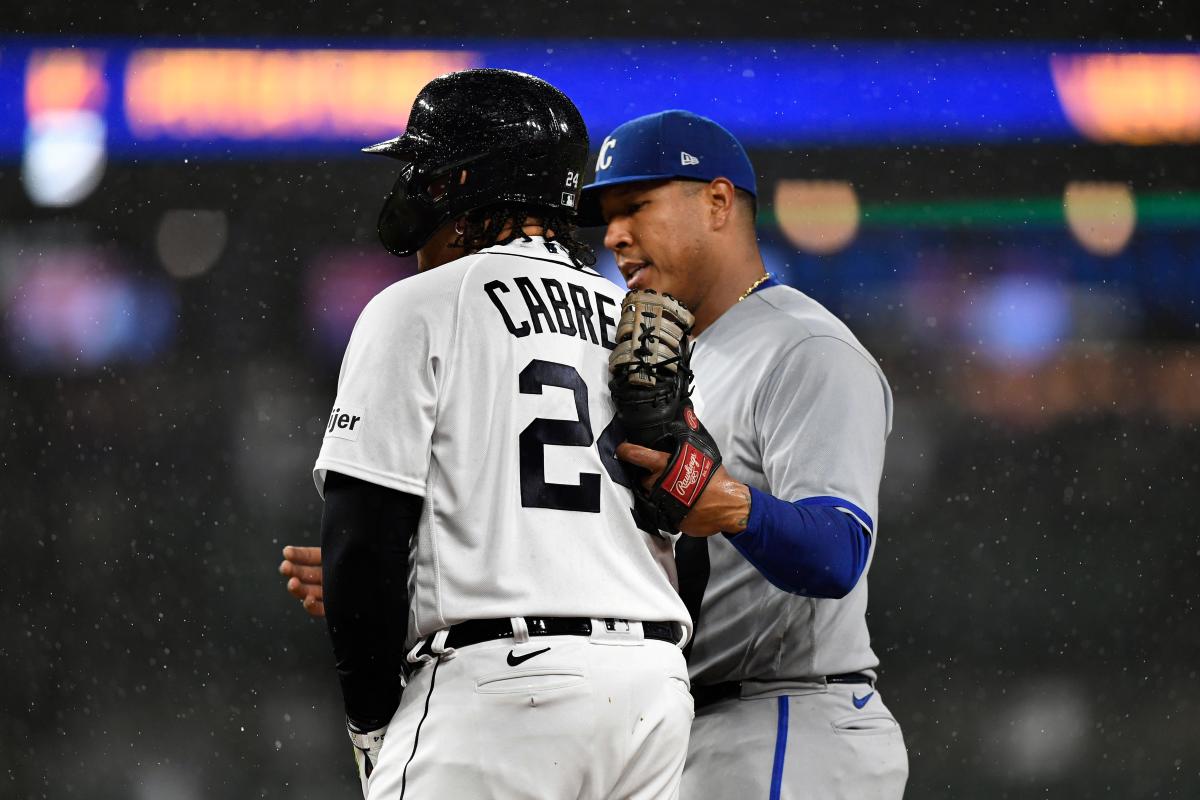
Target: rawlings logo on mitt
[(651, 387)]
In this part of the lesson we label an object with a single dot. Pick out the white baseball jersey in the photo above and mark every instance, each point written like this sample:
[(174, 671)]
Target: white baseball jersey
[(482, 387), (799, 409)]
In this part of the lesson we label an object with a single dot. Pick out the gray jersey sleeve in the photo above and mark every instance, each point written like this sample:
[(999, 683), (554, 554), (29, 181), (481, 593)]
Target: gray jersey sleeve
[(823, 417)]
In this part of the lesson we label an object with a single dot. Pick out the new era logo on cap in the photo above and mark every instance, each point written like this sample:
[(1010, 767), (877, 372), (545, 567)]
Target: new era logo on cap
[(688, 160)]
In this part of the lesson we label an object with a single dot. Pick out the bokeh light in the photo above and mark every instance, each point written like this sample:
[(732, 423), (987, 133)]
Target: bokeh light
[(1101, 216), (65, 133), (276, 93), (1132, 98), (189, 241), (72, 307), (339, 284), (819, 217), (64, 157), (1022, 319)]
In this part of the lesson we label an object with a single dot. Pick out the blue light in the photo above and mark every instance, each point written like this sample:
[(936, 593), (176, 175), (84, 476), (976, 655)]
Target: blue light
[(770, 94), (70, 309), (1023, 319)]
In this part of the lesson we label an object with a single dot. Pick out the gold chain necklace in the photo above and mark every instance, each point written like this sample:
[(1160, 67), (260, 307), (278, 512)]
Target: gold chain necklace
[(754, 286)]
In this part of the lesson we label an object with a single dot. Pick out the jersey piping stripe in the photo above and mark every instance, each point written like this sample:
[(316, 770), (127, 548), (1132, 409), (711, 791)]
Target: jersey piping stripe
[(417, 735), (840, 504), (570, 264), (781, 733)]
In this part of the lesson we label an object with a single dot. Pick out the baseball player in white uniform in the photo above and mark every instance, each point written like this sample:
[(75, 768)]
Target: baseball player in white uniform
[(774, 564), (782, 667), (474, 512)]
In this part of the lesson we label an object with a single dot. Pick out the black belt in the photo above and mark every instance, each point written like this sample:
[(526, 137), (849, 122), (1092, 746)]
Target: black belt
[(474, 631), (713, 693)]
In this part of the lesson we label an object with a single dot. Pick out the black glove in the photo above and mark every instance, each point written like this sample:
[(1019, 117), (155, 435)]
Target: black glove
[(651, 387)]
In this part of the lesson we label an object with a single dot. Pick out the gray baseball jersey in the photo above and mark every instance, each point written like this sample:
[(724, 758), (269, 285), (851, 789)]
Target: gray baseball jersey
[(482, 386), (800, 409)]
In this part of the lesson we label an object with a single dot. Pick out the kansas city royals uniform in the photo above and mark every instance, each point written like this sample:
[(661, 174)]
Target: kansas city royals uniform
[(481, 386), (803, 412)]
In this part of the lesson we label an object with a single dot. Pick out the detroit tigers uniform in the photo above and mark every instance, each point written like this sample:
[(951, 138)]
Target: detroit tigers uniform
[(481, 386), (803, 412)]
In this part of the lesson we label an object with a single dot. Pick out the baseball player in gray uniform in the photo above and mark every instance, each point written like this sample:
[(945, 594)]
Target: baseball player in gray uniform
[(781, 665), (774, 564), (477, 531)]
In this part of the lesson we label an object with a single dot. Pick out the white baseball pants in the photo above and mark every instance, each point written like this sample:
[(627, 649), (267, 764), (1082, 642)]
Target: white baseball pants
[(600, 717)]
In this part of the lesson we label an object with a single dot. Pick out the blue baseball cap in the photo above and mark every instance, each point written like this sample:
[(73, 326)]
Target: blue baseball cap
[(665, 146)]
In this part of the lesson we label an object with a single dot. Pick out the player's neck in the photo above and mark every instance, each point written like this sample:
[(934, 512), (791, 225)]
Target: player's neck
[(532, 227), (740, 267), (441, 247)]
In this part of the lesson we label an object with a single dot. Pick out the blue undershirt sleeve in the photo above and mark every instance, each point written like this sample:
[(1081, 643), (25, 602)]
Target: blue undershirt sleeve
[(816, 547)]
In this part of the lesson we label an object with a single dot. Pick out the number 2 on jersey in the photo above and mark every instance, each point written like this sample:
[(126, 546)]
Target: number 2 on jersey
[(535, 491)]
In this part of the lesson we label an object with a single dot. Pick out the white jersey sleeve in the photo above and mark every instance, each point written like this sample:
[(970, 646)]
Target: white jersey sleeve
[(381, 427)]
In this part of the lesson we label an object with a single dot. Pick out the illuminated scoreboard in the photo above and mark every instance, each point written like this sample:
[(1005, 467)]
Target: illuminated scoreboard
[(1131, 98), (245, 95), (281, 99)]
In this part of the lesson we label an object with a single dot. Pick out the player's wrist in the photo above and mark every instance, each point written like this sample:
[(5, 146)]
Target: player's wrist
[(368, 744), (361, 729), (750, 524), (737, 515)]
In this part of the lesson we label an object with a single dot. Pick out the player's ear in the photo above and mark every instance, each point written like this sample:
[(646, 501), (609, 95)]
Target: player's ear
[(721, 196)]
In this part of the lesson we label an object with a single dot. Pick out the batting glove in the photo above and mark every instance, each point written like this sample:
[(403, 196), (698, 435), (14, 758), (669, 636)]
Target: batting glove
[(367, 745)]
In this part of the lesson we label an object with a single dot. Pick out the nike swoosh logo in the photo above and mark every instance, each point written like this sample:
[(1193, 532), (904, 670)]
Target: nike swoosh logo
[(857, 702), (515, 660)]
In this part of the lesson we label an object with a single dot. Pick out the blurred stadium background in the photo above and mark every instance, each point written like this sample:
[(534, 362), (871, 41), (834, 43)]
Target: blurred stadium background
[(1002, 202)]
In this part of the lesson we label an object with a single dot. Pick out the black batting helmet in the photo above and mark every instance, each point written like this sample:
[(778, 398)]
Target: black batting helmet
[(479, 138)]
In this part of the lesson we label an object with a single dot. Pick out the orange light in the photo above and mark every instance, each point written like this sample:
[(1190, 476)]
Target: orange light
[(279, 94), (1101, 216), (1086, 380), (1135, 98), (65, 80), (817, 216)]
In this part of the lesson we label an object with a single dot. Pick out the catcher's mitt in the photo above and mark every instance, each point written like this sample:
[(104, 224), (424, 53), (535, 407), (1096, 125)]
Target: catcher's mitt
[(651, 386)]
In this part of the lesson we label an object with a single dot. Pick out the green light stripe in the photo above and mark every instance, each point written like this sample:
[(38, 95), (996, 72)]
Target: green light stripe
[(966, 214), (1170, 209), (1176, 210)]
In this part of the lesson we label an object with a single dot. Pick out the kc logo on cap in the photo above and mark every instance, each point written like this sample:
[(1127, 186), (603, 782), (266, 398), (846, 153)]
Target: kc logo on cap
[(604, 161), (665, 146)]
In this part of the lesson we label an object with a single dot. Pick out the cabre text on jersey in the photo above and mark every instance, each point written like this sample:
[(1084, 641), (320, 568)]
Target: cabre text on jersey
[(555, 306)]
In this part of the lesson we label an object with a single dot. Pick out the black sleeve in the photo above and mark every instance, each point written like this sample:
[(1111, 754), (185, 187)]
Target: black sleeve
[(366, 532)]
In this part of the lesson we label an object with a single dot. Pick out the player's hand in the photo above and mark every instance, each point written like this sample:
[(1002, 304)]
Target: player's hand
[(302, 567), (723, 507)]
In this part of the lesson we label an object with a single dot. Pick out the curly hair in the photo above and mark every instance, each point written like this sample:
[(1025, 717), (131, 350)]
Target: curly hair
[(483, 227)]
